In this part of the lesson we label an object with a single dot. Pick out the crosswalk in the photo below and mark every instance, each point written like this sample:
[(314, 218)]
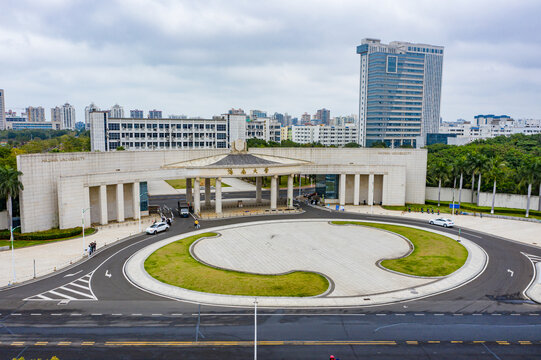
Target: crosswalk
[(533, 258), (74, 291)]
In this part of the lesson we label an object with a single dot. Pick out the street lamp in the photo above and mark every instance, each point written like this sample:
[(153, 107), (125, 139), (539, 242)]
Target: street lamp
[(83, 221), (13, 253)]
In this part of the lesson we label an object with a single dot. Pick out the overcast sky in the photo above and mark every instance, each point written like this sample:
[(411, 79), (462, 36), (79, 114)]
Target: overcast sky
[(200, 58)]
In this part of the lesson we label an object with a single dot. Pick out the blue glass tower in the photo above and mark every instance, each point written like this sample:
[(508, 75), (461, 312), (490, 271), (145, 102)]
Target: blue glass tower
[(400, 92)]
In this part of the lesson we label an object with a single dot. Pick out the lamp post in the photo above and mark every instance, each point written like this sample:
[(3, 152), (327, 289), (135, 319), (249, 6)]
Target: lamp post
[(83, 222), (13, 253)]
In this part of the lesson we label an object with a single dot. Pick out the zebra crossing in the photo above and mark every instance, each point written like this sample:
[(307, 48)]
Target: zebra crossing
[(74, 291), (533, 258)]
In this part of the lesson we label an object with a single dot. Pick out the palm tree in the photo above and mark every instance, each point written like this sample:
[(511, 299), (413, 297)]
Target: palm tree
[(529, 174), (441, 170), (482, 166), (496, 169), (471, 161), (9, 187), (460, 166)]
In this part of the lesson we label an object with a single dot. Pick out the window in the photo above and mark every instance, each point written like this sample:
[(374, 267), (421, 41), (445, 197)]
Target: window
[(392, 64)]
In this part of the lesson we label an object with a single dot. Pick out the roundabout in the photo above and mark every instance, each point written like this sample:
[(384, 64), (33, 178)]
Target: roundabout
[(347, 255)]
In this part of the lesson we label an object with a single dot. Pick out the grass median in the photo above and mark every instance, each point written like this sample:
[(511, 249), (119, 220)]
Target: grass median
[(174, 265), (433, 254)]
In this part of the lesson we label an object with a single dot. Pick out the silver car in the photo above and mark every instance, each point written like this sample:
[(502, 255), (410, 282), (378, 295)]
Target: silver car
[(157, 227), (442, 222)]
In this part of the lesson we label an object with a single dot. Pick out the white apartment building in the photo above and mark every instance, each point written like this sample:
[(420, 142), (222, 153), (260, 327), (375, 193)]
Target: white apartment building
[(324, 134), (108, 134), (263, 128), (482, 128), (67, 117), (2, 110), (117, 111)]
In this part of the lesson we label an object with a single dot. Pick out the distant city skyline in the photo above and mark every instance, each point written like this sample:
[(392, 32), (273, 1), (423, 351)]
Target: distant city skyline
[(277, 57)]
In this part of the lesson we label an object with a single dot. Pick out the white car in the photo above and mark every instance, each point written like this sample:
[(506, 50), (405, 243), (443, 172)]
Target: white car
[(157, 227), (442, 222)]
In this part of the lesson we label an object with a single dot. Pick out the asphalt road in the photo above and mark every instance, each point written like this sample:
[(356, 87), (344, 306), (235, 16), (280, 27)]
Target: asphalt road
[(126, 322)]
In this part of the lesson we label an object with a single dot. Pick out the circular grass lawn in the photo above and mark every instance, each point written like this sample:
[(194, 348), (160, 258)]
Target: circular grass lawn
[(173, 264), (433, 254)]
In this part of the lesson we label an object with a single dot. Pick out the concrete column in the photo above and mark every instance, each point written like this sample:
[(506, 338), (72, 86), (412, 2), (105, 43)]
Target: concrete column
[(258, 181), (273, 192), (207, 192), (86, 199), (342, 189), (189, 197), (278, 178), (218, 195), (356, 189), (120, 202), (290, 191), (371, 189), (197, 196), (136, 201), (103, 204)]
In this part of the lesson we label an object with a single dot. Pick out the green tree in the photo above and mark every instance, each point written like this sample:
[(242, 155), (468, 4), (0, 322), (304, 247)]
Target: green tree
[(496, 170), (10, 186), (378, 144), (352, 145), (460, 165), (441, 171), (529, 174)]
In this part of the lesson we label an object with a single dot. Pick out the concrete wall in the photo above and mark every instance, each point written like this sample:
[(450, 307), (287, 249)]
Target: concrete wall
[(502, 200), (55, 184), (4, 220)]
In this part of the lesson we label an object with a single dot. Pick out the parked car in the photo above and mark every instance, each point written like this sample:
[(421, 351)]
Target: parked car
[(442, 222), (157, 227)]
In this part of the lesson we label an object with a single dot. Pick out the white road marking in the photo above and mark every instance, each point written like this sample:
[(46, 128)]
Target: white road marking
[(62, 295), (136, 314), (438, 314), (74, 289), (56, 314), (107, 274), (176, 314), (95, 314), (511, 272), (35, 314), (477, 314)]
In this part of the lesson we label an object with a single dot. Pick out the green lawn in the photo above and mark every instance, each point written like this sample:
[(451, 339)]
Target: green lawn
[(173, 264), (444, 209), (433, 254), (24, 243), (181, 183)]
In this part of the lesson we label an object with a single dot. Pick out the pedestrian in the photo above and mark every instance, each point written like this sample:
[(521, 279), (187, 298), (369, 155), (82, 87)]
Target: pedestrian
[(422, 211), (409, 209), (169, 221), (196, 224), (89, 250), (432, 211), (438, 212)]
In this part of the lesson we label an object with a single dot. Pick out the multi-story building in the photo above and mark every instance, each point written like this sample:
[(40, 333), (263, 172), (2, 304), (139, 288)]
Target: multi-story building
[(324, 116), (487, 126), (324, 134), (400, 92), (285, 133), (305, 118), (136, 114), (108, 134), (236, 124), (155, 114), (88, 109), (56, 116), (35, 114), (263, 128), (117, 111), (256, 114), (2, 110), (67, 119)]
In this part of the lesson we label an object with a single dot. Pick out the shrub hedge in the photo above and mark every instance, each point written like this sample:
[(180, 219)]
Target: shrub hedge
[(472, 207), (45, 235)]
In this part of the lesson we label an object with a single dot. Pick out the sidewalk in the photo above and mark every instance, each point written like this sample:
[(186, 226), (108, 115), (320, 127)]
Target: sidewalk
[(59, 254), (521, 231)]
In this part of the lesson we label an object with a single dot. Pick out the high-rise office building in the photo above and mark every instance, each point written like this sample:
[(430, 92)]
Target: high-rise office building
[(324, 116), (56, 116), (136, 114), (305, 118), (400, 92), (90, 108), (67, 119), (35, 114), (155, 114), (2, 110), (117, 112), (256, 114)]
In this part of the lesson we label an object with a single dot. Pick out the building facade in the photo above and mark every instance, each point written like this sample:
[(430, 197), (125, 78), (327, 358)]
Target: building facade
[(2, 110), (67, 119), (324, 134), (58, 186), (263, 128), (117, 111), (155, 114), (108, 134), (324, 116), (35, 114), (137, 114), (400, 92), (88, 109)]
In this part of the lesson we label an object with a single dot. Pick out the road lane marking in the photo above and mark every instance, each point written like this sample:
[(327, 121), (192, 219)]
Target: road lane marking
[(35, 314), (62, 295), (68, 275), (73, 290), (95, 314), (77, 292), (87, 343), (64, 343), (136, 314), (439, 314), (41, 343)]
